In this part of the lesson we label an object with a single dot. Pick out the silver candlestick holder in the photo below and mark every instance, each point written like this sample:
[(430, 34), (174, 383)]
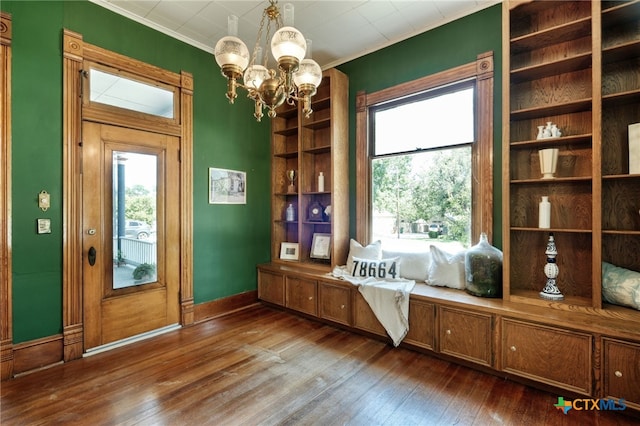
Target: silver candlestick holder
[(551, 291)]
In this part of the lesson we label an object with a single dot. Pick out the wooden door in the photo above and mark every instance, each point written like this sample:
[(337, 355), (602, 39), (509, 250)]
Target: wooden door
[(130, 179)]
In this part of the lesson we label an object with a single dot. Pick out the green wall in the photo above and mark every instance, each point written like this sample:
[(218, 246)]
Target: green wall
[(448, 46), (228, 240)]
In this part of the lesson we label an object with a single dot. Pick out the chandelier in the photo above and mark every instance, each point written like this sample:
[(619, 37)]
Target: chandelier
[(296, 78)]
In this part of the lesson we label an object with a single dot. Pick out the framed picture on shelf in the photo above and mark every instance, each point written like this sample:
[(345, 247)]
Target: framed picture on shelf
[(289, 251), (227, 186), (321, 246)]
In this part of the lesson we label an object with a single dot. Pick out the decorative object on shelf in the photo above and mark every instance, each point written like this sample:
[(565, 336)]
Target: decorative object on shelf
[(548, 162), (321, 182), (483, 269), (551, 291), (634, 148), (296, 79), (544, 213), (551, 130), (327, 213), (292, 175), (321, 246), (227, 186), (289, 251), (315, 212), (290, 213)]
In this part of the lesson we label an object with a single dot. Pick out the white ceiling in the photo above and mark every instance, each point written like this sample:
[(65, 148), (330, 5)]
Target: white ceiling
[(340, 30)]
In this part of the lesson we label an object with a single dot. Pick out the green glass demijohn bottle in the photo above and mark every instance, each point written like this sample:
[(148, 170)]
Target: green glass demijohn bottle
[(483, 269)]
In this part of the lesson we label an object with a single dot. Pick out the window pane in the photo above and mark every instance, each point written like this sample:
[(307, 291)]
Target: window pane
[(421, 199), (125, 93), (424, 123), (134, 219)]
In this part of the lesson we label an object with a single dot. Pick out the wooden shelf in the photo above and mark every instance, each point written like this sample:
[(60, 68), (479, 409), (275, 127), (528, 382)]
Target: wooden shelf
[(552, 109), (291, 154), (621, 51), (287, 132), (546, 142), (554, 73), (621, 12), (547, 69), (568, 31), (533, 297), (549, 230), (551, 181), (310, 146)]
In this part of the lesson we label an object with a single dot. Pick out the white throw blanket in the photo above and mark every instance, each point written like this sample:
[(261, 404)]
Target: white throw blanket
[(388, 299)]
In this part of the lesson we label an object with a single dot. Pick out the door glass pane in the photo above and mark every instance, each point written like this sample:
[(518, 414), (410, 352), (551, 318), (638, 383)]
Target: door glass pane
[(134, 219)]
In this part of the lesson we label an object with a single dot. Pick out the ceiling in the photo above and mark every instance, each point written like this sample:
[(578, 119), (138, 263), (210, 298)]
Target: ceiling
[(340, 30)]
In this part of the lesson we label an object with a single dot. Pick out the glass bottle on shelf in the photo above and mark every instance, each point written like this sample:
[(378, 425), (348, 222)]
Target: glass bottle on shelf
[(483, 269)]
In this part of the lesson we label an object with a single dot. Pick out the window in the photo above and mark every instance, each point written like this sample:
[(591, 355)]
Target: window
[(421, 168), (116, 93), (424, 162)]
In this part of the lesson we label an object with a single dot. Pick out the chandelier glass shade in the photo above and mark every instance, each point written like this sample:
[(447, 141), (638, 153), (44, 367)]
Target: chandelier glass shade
[(295, 79)]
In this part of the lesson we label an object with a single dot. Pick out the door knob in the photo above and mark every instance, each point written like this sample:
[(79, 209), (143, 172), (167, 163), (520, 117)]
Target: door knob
[(92, 256)]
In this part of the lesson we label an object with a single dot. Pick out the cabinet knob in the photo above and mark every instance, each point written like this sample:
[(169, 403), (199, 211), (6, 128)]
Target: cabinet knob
[(618, 373), (341, 306), (310, 297), (513, 348), (448, 331)]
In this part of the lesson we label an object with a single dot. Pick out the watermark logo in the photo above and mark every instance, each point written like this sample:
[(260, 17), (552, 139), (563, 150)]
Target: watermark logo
[(590, 405)]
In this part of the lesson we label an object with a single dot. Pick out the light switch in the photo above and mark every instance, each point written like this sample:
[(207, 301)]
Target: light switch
[(44, 226), (44, 200)]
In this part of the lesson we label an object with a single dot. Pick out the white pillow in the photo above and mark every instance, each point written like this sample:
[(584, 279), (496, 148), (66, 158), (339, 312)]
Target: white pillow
[(620, 286), (372, 251), (376, 268), (414, 265), (447, 269)]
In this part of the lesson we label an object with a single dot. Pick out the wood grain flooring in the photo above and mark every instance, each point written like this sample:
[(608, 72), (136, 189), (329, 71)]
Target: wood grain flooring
[(262, 366)]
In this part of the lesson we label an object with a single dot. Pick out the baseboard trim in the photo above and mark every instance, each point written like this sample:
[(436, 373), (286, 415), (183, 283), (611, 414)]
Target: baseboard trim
[(215, 308), (36, 354), (49, 351)]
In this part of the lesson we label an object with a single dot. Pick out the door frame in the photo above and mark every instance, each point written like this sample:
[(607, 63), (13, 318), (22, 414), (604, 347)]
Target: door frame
[(75, 52)]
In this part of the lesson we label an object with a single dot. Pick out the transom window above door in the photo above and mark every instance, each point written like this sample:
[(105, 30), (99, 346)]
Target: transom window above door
[(109, 87)]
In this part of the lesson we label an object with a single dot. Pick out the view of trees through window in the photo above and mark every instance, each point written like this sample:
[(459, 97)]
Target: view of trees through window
[(421, 173)]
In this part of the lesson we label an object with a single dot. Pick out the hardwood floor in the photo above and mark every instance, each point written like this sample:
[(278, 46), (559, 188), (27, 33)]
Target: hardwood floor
[(264, 366)]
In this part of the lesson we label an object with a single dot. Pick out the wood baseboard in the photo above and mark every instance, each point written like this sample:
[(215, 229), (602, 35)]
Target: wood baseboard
[(215, 308), (38, 353)]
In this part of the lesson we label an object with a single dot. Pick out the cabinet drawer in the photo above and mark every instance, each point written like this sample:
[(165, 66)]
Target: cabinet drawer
[(549, 355), (363, 316), (271, 287), (301, 295), (421, 324), (622, 371), (335, 303), (465, 335)]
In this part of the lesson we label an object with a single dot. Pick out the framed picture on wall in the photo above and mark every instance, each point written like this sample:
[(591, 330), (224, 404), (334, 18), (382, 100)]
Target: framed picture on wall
[(227, 186), (289, 251), (321, 246)]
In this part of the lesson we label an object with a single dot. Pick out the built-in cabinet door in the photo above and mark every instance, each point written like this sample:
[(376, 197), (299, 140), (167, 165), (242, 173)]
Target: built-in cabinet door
[(465, 335), (335, 302), (363, 316), (271, 287), (421, 324), (622, 371), (301, 295), (550, 355)]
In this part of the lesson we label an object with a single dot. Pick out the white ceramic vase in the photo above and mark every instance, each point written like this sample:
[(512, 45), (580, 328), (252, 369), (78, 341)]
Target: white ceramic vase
[(548, 162)]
